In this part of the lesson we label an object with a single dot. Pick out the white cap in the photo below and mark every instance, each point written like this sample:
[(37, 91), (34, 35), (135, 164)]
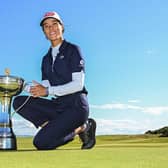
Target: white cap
[(54, 15)]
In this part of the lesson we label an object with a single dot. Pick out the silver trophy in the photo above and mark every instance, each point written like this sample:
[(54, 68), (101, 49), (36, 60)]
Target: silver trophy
[(9, 86)]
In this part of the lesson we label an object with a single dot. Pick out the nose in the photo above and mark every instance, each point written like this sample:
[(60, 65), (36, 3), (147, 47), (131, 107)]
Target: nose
[(50, 27)]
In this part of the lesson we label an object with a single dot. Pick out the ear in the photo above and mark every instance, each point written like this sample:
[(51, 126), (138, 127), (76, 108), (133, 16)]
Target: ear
[(62, 28)]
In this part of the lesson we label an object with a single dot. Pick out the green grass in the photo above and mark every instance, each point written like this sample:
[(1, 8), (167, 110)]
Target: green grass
[(116, 151)]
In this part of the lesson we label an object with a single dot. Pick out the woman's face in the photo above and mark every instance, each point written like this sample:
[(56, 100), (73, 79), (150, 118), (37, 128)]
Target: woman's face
[(53, 29)]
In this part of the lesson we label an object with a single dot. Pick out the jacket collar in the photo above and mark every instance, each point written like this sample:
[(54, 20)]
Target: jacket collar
[(63, 46)]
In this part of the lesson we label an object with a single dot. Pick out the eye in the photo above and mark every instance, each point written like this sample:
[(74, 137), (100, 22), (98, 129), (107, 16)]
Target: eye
[(46, 26), (55, 24)]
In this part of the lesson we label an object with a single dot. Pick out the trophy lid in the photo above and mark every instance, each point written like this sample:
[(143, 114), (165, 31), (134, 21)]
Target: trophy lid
[(10, 78), (7, 77)]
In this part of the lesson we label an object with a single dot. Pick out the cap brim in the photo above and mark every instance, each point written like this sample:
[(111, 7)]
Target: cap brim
[(41, 23)]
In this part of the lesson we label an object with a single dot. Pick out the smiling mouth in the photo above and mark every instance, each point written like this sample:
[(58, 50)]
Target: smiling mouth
[(53, 33)]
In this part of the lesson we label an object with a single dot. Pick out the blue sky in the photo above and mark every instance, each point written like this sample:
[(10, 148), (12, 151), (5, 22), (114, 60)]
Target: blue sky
[(124, 43)]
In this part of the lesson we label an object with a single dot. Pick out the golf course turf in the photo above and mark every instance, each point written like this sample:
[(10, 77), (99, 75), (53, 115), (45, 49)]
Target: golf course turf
[(112, 151)]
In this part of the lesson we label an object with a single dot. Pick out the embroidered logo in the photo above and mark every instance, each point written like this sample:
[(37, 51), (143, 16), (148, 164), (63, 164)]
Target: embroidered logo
[(49, 14), (61, 57), (81, 62)]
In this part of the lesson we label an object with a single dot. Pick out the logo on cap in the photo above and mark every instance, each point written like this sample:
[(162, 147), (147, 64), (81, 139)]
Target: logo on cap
[(49, 14)]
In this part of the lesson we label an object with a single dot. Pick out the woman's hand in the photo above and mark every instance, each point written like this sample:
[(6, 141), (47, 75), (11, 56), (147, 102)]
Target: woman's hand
[(38, 90)]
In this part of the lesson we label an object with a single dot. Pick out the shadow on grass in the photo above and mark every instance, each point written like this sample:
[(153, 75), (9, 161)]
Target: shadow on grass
[(26, 150), (35, 150)]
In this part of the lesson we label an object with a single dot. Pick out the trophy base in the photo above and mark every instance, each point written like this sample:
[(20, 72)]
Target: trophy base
[(8, 143)]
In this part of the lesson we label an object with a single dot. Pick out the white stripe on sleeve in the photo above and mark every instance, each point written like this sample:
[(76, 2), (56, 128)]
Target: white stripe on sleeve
[(75, 85)]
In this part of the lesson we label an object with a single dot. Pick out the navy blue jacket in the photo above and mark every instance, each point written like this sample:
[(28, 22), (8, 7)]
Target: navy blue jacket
[(68, 60)]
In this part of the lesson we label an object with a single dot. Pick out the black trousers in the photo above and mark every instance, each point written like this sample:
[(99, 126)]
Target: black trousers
[(63, 114)]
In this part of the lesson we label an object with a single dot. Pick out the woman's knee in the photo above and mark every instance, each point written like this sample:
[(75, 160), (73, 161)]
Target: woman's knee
[(42, 144)]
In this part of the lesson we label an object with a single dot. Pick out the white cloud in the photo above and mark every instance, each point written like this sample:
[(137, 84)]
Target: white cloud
[(155, 110), (134, 101), (105, 126), (126, 126), (118, 106)]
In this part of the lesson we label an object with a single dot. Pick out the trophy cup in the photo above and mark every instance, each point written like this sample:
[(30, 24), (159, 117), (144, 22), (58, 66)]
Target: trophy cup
[(9, 86)]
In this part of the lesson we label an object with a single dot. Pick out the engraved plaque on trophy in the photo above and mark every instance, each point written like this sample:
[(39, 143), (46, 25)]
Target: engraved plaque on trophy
[(9, 86)]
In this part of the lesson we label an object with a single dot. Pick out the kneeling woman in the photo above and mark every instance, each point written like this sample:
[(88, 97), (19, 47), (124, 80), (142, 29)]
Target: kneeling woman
[(66, 113)]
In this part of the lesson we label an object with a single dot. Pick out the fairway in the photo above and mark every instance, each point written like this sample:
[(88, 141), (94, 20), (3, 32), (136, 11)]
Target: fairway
[(116, 151)]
